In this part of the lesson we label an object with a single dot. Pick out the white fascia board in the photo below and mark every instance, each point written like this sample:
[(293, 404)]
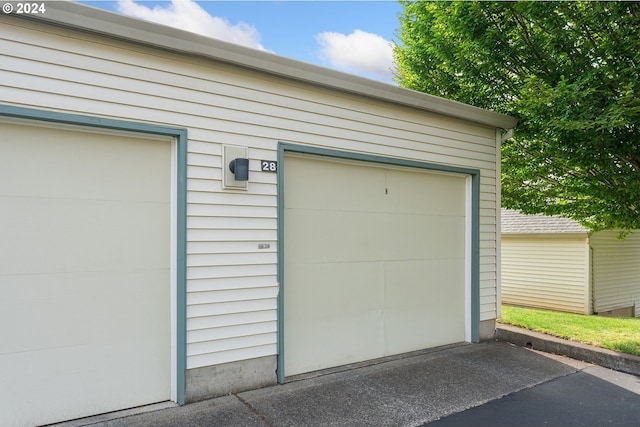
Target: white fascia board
[(86, 18)]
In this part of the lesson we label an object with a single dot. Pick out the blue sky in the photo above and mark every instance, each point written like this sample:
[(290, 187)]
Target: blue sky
[(351, 36)]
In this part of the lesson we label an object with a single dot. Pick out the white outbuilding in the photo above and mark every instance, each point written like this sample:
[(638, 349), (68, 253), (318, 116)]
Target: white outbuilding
[(360, 219), (555, 263)]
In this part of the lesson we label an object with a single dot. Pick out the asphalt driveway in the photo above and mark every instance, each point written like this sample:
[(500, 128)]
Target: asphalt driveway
[(593, 397)]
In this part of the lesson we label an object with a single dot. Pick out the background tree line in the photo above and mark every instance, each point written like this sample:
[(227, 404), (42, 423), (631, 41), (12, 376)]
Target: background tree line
[(567, 70)]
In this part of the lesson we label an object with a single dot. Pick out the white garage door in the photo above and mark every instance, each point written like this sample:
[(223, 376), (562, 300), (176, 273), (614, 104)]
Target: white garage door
[(374, 261), (84, 273)]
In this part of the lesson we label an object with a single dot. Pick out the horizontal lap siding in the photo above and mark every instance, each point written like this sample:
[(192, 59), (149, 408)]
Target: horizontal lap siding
[(545, 273), (231, 284), (616, 271)]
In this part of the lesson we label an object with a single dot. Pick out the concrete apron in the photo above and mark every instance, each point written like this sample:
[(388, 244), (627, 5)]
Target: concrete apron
[(405, 391), (622, 362)]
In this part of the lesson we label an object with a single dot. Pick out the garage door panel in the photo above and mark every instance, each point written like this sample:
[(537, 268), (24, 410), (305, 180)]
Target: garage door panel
[(325, 290), (82, 302), (353, 236), (368, 236), (95, 366), (357, 237), (422, 237), (409, 331), (87, 161), (439, 193), (428, 281), (52, 235), (335, 341), (434, 315), (333, 185)]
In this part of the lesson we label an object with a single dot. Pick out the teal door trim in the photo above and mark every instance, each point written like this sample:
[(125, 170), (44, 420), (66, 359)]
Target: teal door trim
[(180, 136), (284, 148)]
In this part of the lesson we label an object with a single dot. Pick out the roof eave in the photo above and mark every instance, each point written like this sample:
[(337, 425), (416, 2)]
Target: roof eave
[(547, 234), (98, 21)]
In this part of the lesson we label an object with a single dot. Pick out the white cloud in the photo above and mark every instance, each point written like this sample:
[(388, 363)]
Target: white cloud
[(188, 15), (359, 53)]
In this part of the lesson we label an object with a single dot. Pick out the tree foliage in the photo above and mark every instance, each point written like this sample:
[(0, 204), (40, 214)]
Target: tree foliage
[(567, 70)]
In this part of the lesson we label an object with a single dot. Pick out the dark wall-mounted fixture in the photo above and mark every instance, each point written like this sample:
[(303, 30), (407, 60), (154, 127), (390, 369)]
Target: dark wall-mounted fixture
[(235, 167), (240, 169)]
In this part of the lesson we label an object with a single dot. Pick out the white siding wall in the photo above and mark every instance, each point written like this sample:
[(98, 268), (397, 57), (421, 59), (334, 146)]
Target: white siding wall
[(548, 273), (616, 271), (231, 284)]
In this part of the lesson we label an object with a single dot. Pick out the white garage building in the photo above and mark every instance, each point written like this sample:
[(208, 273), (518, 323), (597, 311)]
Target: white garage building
[(136, 268)]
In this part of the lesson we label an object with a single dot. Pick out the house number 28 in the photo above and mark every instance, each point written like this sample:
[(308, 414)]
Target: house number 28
[(269, 166)]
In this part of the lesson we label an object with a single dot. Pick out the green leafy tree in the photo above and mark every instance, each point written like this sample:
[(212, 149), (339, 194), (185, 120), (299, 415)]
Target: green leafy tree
[(567, 70)]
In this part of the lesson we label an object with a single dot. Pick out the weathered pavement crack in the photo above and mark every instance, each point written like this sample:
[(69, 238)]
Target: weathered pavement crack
[(254, 410)]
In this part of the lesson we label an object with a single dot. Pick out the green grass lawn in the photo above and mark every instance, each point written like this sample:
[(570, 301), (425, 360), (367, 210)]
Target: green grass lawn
[(619, 334)]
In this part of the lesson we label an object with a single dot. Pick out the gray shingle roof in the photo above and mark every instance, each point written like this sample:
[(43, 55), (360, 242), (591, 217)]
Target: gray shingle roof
[(516, 222)]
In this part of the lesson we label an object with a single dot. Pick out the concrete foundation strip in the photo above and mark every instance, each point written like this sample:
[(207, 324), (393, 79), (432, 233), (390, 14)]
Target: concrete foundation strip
[(599, 356)]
